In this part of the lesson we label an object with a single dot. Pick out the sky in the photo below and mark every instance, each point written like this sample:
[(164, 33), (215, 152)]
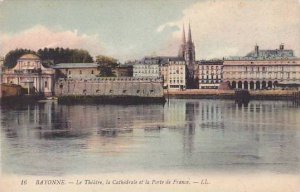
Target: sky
[(132, 29)]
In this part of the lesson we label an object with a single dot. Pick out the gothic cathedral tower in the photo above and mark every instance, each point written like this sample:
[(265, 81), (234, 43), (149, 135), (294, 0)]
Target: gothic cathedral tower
[(187, 52), (187, 48), (190, 49)]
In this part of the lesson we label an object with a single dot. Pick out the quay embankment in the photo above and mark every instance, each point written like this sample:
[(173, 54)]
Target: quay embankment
[(20, 99), (229, 94), (12, 94), (110, 90), (120, 100)]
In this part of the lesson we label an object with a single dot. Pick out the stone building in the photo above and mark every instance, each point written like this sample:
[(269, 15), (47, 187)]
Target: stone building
[(31, 74), (262, 69), (210, 74), (77, 70), (174, 74), (110, 86), (146, 70), (147, 67)]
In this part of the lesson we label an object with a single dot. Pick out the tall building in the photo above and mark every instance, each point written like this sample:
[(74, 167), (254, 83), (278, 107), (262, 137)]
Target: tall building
[(210, 74), (187, 48), (174, 74), (187, 52)]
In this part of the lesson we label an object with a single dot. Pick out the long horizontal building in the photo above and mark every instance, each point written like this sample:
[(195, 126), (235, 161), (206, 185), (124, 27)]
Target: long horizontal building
[(262, 72)]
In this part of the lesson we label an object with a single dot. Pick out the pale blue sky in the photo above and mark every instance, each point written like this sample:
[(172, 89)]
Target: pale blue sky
[(130, 29)]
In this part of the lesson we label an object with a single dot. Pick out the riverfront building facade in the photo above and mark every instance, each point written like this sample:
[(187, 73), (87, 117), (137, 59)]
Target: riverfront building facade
[(262, 69), (147, 67), (174, 74), (210, 74), (31, 74)]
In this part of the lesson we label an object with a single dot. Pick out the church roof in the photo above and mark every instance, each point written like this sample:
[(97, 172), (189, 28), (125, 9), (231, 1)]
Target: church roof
[(30, 56)]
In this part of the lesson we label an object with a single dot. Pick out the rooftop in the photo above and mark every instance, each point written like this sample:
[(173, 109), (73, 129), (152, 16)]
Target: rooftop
[(268, 54), (75, 65), (30, 56)]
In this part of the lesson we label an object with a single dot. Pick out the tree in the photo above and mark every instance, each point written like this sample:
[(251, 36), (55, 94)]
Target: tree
[(61, 55), (105, 60), (50, 56), (106, 65), (11, 57)]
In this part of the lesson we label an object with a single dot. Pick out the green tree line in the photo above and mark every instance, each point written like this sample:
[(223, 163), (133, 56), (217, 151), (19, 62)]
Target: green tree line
[(51, 55)]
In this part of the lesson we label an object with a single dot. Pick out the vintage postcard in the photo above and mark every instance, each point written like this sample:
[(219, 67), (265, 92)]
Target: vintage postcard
[(150, 95)]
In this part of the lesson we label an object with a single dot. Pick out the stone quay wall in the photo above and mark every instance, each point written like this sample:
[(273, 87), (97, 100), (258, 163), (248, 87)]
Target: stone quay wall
[(110, 86), (228, 94), (10, 90)]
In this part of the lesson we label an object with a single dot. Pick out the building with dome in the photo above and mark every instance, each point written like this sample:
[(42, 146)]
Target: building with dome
[(30, 73)]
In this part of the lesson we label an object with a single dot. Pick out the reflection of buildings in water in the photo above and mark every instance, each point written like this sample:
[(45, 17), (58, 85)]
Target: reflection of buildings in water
[(174, 113), (114, 119), (111, 146), (211, 114), (266, 129), (37, 117)]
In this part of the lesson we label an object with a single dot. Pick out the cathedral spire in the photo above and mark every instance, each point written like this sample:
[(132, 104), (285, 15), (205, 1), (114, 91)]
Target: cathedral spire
[(190, 34), (183, 35)]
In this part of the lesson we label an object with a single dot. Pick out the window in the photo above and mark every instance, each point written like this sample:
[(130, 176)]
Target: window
[(80, 72), (92, 71), (69, 72), (46, 84)]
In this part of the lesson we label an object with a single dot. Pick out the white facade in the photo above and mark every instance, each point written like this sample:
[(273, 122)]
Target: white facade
[(31, 74), (174, 75), (210, 74), (146, 70), (261, 74)]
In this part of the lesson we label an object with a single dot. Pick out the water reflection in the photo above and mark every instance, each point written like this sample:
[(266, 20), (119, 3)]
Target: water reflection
[(182, 134)]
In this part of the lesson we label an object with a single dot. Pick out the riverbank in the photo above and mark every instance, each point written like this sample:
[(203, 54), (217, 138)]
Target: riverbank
[(22, 99), (109, 100), (228, 94)]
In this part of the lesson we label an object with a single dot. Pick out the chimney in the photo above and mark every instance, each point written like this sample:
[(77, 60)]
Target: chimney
[(281, 46), (256, 48)]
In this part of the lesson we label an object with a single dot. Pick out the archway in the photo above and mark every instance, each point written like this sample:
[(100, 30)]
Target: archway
[(270, 84), (233, 84), (240, 85), (245, 84), (251, 85), (228, 83), (257, 85), (263, 85), (275, 84)]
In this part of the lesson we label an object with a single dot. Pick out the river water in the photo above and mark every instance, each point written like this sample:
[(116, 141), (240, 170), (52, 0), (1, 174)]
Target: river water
[(182, 135)]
